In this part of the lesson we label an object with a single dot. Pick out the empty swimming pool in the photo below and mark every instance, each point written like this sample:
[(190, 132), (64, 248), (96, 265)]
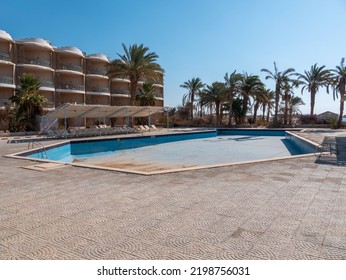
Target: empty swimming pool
[(181, 151)]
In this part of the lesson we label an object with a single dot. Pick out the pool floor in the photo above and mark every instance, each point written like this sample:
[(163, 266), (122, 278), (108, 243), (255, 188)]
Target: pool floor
[(194, 153)]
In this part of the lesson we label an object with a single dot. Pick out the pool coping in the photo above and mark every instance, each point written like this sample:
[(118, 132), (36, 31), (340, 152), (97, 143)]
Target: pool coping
[(166, 171)]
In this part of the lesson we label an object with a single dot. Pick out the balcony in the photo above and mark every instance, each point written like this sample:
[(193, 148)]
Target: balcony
[(36, 61), (72, 67), (121, 92), (97, 71), (45, 83), (71, 87), (99, 89), (4, 56), (4, 102), (6, 80), (158, 95)]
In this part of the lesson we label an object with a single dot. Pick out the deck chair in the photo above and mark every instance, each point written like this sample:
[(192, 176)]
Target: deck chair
[(340, 150), (328, 145)]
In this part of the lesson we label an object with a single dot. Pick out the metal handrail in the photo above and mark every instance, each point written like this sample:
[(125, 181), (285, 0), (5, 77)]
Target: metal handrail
[(41, 148)]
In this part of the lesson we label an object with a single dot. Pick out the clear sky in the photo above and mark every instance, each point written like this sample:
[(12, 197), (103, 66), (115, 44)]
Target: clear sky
[(195, 38)]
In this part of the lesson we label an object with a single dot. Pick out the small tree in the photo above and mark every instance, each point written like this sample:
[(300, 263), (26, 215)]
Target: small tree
[(146, 95), (28, 102)]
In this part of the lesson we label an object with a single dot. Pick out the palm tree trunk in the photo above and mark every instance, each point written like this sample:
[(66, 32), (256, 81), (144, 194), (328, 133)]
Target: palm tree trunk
[(255, 109), (290, 115), (245, 103), (342, 104), (217, 112), (230, 113), (277, 100), (286, 108), (133, 93), (312, 101), (264, 111), (192, 100)]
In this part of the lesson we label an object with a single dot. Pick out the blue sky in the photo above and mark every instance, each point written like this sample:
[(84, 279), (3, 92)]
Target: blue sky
[(195, 38)]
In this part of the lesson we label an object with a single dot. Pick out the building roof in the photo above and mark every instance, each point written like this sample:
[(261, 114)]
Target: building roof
[(5, 35), (68, 110)]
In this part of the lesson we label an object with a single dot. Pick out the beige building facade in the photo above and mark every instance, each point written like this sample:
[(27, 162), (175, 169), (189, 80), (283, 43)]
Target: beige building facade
[(66, 74)]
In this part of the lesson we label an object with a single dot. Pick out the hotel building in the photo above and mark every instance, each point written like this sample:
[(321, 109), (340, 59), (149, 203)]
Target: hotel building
[(66, 74)]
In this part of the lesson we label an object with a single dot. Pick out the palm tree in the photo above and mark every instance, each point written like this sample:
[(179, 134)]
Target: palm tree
[(259, 97), (232, 82), (279, 78), (216, 94), (287, 87), (294, 103), (28, 102), (314, 79), (339, 87), (137, 63), (268, 103), (146, 95), (249, 85), (193, 86)]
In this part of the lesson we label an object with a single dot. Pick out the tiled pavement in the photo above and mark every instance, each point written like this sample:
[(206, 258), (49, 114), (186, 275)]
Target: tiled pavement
[(288, 209)]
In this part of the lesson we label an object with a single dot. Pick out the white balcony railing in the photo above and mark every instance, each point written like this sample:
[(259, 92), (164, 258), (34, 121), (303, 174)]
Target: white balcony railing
[(121, 91), (45, 83), (36, 61), (99, 89), (4, 56), (6, 80), (72, 67), (72, 87)]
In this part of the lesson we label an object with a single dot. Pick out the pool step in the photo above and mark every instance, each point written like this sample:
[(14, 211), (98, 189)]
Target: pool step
[(44, 166)]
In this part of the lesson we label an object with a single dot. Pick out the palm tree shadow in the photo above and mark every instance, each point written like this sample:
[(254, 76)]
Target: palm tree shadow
[(326, 159), (246, 138)]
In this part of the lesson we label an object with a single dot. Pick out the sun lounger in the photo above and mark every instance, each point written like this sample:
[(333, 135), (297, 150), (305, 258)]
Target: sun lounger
[(340, 150), (153, 127), (328, 145)]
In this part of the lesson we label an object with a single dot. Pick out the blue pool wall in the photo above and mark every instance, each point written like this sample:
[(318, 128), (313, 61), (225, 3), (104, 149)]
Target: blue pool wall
[(108, 145), (305, 146)]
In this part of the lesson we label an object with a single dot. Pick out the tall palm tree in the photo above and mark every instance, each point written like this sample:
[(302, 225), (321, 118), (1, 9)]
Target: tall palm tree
[(137, 63), (339, 87), (279, 78), (28, 102), (146, 95), (249, 85), (313, 80), (193, 86), (215, 94), (232, 83)]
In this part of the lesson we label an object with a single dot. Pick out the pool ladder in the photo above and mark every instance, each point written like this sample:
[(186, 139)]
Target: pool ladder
[(41, 148)]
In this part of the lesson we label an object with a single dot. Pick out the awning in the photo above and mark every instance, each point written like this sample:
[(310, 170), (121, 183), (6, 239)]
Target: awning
[(68, 110)]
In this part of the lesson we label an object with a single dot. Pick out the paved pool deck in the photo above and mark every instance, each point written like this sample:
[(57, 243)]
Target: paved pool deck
[(287, 209)]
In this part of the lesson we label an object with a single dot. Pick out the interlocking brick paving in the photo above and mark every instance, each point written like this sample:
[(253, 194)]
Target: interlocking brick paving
[(287, 209)]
